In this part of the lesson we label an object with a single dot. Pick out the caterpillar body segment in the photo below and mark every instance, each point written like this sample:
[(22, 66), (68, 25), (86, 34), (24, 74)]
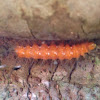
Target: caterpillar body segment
[(53, 51)]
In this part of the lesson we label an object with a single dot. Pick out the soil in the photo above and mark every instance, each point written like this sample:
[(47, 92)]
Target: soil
[(29, 79)]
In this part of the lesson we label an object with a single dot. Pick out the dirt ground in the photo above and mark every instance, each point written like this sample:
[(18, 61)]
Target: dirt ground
[(29, 79)]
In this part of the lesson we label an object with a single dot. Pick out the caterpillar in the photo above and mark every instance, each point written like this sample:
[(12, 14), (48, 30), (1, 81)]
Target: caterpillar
[(54, 51)]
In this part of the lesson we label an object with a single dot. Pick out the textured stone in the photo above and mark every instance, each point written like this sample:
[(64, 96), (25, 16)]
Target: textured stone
[(50, 19)]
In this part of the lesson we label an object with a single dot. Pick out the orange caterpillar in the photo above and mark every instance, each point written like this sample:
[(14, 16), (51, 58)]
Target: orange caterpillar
[(60, 51)]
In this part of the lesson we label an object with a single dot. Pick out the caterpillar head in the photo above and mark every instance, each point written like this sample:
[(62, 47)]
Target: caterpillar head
[(91, 46)]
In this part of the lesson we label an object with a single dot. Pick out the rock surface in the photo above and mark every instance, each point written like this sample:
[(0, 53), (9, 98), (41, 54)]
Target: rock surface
[(50, 19)]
